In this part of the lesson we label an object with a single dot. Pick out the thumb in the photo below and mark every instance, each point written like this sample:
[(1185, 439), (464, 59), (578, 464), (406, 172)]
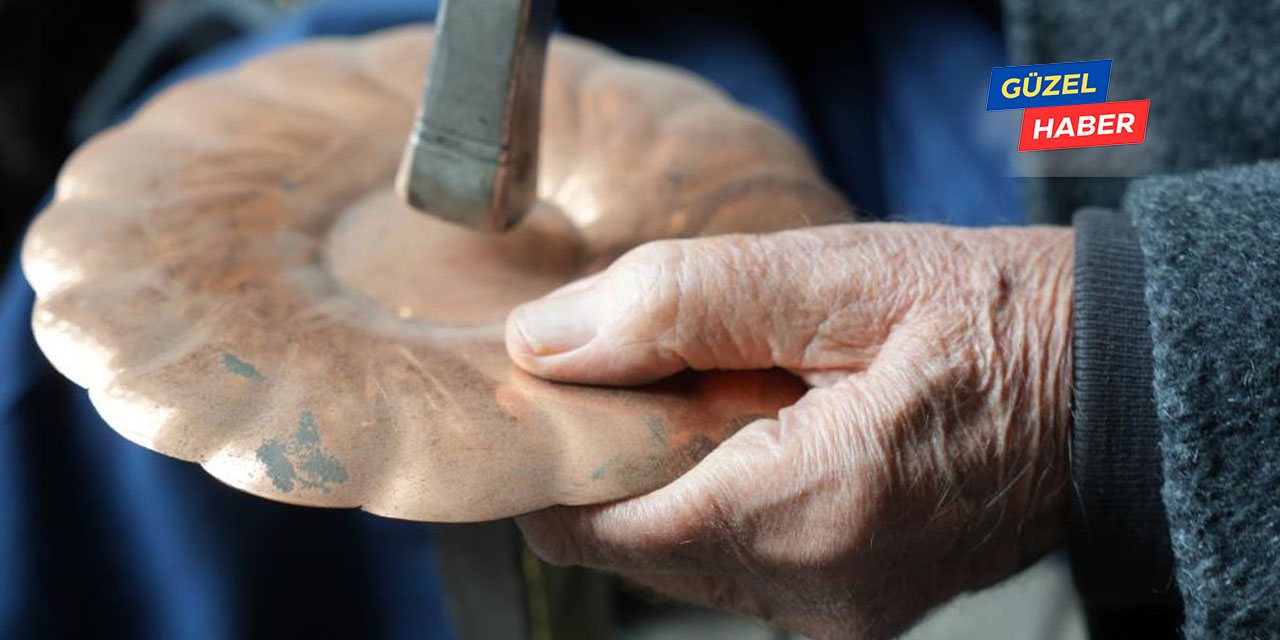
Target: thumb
[(802, 300)]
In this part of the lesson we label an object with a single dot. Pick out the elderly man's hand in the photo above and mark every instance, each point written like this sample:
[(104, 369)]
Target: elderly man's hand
[(929, 458)]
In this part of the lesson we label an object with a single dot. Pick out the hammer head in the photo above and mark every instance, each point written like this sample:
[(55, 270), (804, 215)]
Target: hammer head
[(472, 157)]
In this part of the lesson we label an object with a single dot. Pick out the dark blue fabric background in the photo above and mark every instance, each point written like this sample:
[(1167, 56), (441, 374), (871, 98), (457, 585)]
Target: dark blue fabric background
[(100, 538)]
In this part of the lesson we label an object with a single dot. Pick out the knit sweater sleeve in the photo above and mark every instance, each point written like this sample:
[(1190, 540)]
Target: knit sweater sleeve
[(1211, 252), (1119, 536)]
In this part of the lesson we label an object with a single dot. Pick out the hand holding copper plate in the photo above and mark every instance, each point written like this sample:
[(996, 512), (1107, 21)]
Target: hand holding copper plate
[(230, 276)]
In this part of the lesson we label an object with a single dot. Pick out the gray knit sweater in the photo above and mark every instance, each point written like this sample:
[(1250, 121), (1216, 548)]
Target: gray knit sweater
[(1207, 226)]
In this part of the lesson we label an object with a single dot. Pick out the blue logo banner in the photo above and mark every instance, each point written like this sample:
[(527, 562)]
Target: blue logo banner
[(1049, 85)]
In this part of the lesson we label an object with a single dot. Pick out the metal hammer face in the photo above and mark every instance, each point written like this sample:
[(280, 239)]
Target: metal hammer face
[(472, 157)]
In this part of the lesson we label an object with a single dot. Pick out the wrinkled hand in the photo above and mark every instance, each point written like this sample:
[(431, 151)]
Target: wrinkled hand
[(928, 459)]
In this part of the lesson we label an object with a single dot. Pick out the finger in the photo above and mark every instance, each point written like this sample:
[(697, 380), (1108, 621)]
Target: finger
[(688, 525), (747, 504), (811, 299)]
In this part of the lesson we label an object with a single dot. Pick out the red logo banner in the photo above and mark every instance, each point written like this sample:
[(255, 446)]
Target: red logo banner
[(1084, 125)]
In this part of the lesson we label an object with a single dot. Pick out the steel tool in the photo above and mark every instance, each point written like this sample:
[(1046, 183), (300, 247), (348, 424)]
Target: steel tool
[(472, 157)]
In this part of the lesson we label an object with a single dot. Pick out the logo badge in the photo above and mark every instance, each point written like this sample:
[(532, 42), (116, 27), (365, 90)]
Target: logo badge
[(1065, 106)]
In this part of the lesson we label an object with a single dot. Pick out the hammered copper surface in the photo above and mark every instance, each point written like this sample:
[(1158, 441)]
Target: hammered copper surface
[(230, 277)]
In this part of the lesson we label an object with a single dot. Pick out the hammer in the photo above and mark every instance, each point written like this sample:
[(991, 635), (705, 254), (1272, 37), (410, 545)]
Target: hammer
[(472, 157)]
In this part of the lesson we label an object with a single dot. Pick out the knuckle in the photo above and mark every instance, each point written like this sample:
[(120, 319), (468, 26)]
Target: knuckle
[(654, 267), (648, 286), (704, 516), (657, 255), (693, 298)]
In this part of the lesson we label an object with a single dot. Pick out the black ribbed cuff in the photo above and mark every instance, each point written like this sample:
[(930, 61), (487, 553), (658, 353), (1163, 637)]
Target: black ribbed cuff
[(1119, 536)]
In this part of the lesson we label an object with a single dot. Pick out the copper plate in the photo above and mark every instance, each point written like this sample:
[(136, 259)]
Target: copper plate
[(231, 278)]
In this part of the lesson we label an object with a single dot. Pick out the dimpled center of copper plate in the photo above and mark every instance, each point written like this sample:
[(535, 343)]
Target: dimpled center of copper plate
[(418, 267)]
